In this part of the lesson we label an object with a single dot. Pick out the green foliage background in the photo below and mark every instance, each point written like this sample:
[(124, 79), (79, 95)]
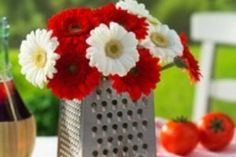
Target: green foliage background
[(26, 15)]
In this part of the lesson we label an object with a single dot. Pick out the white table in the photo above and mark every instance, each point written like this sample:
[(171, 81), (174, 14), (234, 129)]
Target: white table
[(45, 147)]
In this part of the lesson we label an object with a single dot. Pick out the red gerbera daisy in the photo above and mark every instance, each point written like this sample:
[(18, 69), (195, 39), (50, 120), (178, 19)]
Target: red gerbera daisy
[(191, 64), (74, 79), (72, 23), (131, 22), (141, 79)]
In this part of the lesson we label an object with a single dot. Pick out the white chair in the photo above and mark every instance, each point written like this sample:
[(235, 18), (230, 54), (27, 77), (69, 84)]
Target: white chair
[(212, 29)]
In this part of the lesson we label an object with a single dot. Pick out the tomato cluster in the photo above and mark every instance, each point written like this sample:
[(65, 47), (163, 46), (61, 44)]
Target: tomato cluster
[(214, 131)]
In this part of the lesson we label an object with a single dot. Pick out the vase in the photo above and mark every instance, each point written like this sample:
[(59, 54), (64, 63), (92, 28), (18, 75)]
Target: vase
[(107, 124), (17, 125)]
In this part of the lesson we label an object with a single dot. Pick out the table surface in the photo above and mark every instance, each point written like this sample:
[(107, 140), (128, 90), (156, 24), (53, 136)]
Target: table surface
[(47, 147)]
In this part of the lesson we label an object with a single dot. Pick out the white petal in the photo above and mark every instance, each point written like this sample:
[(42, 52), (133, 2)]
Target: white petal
[(132, 6), (166, 54), (129, 39), (97, 55), (117, 31), (35, 40)]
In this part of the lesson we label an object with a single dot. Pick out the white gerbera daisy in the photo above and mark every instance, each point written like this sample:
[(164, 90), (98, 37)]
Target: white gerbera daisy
[(132, 6), (37, 56), (163, 43), (112, 49)]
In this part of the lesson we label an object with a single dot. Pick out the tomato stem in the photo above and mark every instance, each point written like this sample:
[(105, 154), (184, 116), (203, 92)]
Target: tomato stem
[(181, 119), (217, 125)]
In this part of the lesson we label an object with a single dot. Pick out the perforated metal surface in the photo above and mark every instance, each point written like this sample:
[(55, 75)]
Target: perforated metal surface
[(69, 143), (112, 125)]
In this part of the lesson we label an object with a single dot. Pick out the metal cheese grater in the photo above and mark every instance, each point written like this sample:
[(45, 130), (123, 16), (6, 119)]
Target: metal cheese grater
[(107, 124)]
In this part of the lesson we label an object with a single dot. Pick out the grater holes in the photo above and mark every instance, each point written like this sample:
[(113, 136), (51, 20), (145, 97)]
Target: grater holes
[(135, 148), (120, 137), (94, 129), (115, 150), (124, 101), (130, 136), (98, 91), (135, 124), (99, 141), (104, 103), (145, 123), (95, 153), (119, 114), (140, 135), (99, 116), (104, 127), (140, 111), (105, 152), (114, 102), (125, 149), (110, 139), (125, 125), (130, 113), (145, 146), (115, 126), (109, 115), (94, 105), (109, 91), (145, 100)]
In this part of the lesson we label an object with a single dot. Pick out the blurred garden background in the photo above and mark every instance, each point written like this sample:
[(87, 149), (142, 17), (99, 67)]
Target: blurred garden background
[(173, 96)]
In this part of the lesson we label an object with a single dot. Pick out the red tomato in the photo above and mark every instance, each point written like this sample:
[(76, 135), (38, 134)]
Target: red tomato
[(179, 136), (216, 131)]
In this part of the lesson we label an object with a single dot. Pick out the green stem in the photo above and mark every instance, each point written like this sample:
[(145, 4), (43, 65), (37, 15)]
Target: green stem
[(168, 66), (180, 119)]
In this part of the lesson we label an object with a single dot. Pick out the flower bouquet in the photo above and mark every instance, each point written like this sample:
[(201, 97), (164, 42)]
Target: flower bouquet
[(104, 63)]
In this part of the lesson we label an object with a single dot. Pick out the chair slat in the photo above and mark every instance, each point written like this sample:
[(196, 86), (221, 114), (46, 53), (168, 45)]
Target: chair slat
[(203, 87), (211, 29), (224, 90), (216, 27)]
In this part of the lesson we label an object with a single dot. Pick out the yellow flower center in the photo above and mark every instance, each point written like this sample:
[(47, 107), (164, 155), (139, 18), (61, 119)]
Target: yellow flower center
[(39, 57), (114, 49), (159, 40)]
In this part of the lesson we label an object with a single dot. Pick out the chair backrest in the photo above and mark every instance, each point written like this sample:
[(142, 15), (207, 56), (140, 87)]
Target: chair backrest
[(214, 26), (211, 29)]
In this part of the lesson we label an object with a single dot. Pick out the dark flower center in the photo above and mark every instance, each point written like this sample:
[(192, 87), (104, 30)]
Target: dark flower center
[(75, 28), (134, 71), (72, 69)]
